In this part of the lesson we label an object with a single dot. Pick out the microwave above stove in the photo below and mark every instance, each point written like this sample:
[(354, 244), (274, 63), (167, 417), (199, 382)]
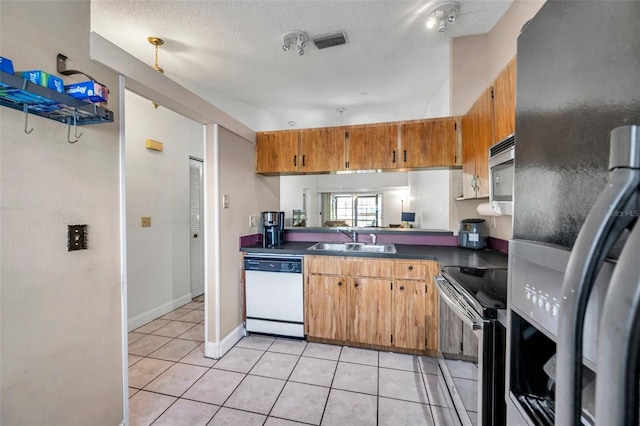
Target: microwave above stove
[(501, 171)]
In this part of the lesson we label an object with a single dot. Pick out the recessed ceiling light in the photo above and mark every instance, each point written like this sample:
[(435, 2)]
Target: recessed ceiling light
[(292, 123)]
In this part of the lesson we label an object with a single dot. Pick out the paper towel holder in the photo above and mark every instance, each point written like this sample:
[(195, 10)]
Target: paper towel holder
[(491, 209)]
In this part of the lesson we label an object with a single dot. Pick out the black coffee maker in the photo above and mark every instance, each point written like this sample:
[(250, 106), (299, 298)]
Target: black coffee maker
[(272, 229)]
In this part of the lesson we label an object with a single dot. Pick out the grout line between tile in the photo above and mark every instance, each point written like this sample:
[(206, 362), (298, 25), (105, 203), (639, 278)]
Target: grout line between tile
[(331, 387)]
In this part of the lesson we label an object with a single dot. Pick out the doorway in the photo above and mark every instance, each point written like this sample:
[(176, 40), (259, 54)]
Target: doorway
[(196, 214)]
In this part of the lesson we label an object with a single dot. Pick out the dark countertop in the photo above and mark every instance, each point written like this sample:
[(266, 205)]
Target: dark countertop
[(445, 255), (375, 230)]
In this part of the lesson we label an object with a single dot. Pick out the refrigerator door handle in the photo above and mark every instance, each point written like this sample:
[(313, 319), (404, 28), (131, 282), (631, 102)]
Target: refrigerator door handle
[(601, 229), (619, 341)]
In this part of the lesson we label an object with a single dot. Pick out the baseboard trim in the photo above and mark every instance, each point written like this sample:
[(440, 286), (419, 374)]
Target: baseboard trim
[(151, 314), (217, 350)]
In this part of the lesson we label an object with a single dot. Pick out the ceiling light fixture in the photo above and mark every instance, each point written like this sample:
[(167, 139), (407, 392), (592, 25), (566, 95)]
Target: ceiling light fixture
[(157, 42), (441, 14), (300, 38)]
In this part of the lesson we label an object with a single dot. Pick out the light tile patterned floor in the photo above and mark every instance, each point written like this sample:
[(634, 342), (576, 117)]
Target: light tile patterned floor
[(272, 381)]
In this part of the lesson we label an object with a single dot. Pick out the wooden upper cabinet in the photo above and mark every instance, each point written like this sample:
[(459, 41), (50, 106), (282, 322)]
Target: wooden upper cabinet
[(321, 150), (422, 144), (336, 150), (484, 139), (277, 152), (504, 102), (468, 156), (429, 143), (372, 147), (491, 119), (477, 137)]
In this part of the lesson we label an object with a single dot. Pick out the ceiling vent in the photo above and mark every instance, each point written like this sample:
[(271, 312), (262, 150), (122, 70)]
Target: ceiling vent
[(330, 40)]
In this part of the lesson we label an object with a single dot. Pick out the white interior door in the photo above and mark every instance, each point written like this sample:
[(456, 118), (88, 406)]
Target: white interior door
[(196, 212)]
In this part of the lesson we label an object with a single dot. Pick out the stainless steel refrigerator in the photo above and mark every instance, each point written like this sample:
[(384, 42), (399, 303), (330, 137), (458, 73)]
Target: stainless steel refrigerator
[(574, 262)]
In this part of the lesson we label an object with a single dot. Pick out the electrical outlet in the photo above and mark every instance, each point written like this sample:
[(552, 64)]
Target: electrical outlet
[(76, 237), (145, 221), (252, 221)]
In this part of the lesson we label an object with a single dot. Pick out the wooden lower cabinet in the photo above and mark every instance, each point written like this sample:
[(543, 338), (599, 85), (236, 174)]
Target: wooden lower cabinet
[(368, 311), (372, 303), (409, 317), (416, 305), (327, 307), (431, 307)]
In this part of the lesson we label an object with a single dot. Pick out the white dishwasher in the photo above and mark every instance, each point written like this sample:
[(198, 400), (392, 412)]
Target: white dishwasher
[(274, 294)]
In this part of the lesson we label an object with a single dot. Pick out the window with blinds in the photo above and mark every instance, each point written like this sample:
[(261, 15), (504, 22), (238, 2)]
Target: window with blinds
[(357, 209)]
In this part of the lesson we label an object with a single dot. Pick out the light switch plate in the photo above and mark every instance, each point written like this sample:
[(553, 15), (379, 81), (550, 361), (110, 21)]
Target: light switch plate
[(225, 201), (252, 221)]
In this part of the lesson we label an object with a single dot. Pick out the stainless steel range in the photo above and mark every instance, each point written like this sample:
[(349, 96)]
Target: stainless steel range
[(471, 349)]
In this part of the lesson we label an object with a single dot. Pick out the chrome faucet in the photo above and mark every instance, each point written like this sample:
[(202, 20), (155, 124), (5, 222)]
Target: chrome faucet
[(351, 233), (374, 238)]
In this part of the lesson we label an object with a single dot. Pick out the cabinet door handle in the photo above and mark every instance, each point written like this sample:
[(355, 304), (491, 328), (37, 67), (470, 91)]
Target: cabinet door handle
[(411, 267), (303, 160), (339, 283), (405, 155), (394, 156), (401, 287), (356, 284), (295, 160)]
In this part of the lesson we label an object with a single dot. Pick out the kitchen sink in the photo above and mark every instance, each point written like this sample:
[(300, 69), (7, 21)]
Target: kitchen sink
[(332, 246), (376, 248), (354, 247)]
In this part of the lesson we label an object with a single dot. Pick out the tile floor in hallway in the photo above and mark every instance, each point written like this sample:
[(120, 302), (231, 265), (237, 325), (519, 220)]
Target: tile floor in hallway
[(272, 381)]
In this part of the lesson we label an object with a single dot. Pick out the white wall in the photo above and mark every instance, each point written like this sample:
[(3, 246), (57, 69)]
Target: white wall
[(477, 60), (428, 193), (61, 336), (292, 188), (157, 185), (249, 193), (439, 105)]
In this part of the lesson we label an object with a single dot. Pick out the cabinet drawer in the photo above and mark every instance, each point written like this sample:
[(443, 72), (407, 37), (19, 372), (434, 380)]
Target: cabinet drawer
[(371, 268), (410, 270), (326, 265)]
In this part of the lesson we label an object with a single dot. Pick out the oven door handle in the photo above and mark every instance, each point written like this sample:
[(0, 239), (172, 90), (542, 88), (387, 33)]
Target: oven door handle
[(468, 316)]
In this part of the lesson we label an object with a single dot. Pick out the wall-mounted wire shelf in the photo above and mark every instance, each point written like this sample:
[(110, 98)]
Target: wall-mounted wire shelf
[(19, 93)]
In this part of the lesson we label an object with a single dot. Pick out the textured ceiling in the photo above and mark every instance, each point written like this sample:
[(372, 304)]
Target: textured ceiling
[(230, 53)]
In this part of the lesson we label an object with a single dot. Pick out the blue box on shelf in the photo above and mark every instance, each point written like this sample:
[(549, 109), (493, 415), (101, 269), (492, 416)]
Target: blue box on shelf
[(6, 65), (43, 79), (88, 90)]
